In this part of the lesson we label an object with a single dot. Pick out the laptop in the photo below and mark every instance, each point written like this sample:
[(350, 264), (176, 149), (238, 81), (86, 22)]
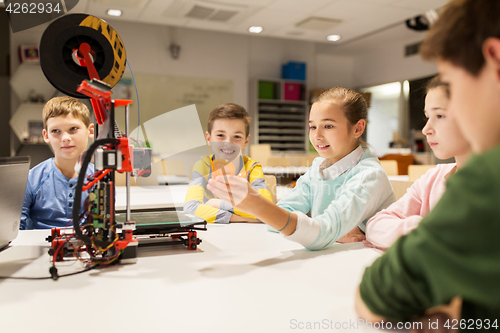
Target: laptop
[(13, 178)]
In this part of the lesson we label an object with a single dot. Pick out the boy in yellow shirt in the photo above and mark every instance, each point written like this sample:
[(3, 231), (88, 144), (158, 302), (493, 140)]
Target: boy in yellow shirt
[(228, 134)]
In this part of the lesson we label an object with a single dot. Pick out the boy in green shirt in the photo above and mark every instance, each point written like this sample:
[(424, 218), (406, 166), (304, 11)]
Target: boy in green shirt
[(451, 262)]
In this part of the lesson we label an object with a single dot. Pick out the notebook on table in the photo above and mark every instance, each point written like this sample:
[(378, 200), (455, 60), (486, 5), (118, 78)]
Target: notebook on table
[(13, 178)]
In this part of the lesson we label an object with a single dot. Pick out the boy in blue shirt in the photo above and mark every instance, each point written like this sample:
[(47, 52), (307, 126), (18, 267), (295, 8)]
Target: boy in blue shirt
[(50, 190)]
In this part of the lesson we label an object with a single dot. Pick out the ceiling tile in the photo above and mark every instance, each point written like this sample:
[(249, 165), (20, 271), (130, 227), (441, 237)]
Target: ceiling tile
[(81, 7), (421, 5), (131, 10), (300, 5), (278, 17), (383, 2), (250, 3), (275, 16), (346, 10)]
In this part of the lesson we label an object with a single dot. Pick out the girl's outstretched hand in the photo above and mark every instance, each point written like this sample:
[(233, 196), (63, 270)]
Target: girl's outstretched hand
[(235, 190), (368, 244), (353, 236)]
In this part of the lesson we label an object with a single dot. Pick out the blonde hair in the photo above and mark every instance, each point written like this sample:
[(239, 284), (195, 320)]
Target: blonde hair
[(61, 106), (351, 102), (229, 111)]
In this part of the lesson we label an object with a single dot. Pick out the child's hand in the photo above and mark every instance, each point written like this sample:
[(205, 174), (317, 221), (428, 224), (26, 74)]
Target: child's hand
[(234, 190), (237, 218), (213, 203), (355, 235), (368, 244), (441, 313)]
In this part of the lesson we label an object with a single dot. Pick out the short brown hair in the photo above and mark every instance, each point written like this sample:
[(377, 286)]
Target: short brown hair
[(460, 31), (436, 82), (229, 111), (61, 106), (352, 103)]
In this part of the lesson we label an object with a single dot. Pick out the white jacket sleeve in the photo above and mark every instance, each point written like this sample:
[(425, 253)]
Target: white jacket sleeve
[(360, 197)]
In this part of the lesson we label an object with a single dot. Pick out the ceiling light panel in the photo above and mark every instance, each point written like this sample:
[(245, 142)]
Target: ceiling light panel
[(114, 12), (131, 9), (255, 29)]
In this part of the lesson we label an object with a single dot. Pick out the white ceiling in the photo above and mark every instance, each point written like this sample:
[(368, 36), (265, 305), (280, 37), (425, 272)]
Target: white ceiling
[(279, 18)]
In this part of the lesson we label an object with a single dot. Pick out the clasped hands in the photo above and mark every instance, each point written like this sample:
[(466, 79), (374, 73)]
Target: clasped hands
[(235, 190)]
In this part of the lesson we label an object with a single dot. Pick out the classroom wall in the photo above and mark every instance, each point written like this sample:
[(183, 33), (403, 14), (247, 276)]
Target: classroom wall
[(244, 58), (334, 70), (387, 63)]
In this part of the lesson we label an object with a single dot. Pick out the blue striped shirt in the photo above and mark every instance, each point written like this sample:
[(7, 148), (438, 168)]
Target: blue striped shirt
[(49, 197)]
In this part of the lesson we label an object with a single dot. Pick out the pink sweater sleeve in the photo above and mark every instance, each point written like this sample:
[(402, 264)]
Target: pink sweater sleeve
[(405, 214)]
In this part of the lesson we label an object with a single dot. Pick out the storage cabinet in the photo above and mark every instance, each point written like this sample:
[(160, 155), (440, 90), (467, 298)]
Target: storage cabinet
[(282, 111)]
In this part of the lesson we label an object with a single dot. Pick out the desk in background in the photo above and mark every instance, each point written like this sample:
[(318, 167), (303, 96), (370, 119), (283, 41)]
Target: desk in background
[(289, 171), (285, 176), (402, 178), (241, 279)]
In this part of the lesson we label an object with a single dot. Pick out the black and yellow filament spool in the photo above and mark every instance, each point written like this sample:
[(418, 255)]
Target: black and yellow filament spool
[(59, 57)]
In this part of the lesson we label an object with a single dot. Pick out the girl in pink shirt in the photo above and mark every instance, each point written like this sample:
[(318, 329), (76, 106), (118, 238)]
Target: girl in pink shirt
[(446, 141)]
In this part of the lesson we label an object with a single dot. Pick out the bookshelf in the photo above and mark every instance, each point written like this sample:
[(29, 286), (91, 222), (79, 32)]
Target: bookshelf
[(281, 118)]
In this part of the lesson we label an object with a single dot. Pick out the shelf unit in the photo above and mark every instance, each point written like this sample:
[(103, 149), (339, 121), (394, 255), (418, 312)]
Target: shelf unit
[(281, 119), (29, 79)]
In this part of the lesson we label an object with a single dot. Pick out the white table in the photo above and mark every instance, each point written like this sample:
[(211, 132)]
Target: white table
[(403, 178), (242, 278)]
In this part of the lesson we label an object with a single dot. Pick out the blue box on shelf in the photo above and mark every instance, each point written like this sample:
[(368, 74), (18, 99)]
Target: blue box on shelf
[(294, 71)]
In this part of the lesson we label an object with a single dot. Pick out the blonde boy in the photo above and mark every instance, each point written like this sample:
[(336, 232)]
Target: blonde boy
[(449, 266), (227, 135), (50, 191)]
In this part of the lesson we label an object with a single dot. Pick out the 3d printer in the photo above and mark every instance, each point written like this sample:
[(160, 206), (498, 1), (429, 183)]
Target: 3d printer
[(83, 57)]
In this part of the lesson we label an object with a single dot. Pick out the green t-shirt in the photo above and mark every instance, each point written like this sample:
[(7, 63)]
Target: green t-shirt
[(455, 251)]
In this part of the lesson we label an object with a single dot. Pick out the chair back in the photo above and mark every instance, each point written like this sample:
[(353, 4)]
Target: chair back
[(417, 171), (403, 161), (400, 187), (276, 161), (260, 153), (271, 185), (307, 161), (390, 167)]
